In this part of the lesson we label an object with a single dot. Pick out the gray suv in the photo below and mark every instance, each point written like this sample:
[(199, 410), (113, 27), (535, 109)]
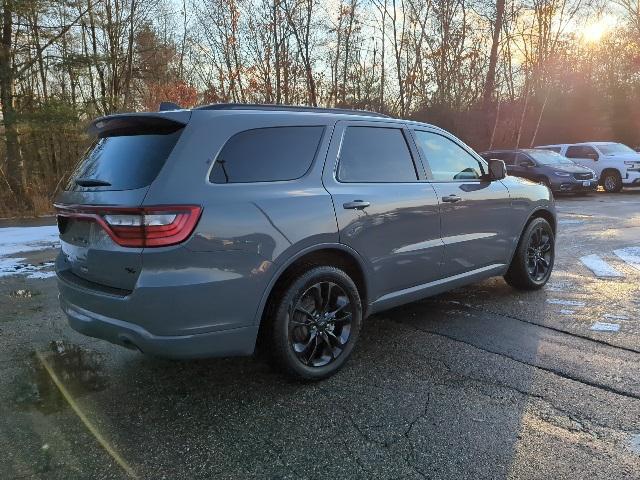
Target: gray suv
[(206, 232)]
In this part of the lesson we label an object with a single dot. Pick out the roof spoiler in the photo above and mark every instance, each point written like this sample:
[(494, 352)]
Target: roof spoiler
[(139, 123)]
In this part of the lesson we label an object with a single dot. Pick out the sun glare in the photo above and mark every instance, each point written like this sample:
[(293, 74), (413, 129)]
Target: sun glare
[(594, 32)]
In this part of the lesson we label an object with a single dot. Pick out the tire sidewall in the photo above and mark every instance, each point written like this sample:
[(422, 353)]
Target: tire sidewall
[(617, 179), (281, 321), (522, 251)]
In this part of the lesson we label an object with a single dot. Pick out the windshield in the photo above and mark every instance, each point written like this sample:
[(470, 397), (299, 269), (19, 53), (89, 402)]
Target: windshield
[(614, 149), (547, 157)]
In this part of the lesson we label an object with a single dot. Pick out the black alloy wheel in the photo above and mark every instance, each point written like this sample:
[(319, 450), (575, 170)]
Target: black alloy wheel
[(539, 253), (314, 323), (534, 257), (320, 324)]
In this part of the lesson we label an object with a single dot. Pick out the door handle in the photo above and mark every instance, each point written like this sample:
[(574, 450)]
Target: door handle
[(355, 205), (451, 199)]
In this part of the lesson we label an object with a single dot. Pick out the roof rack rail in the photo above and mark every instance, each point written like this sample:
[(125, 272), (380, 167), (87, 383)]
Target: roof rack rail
[(287, 108)]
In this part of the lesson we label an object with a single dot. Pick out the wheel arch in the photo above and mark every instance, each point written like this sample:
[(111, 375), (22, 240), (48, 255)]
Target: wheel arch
[(540, 212), (607, 170), (337, 255)]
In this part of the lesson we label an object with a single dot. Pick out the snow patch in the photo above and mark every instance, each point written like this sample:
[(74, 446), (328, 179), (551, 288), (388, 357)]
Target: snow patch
[(26, 239), (570, 222), (599, 267), (568, 303), (629, 255), (605, 327), (610, 316), (566, 311)]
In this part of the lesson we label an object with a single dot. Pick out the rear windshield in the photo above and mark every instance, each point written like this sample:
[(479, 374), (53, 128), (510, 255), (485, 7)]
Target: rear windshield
[(123, 162)]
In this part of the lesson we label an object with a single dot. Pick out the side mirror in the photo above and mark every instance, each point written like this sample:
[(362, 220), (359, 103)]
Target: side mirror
[(497, 169)]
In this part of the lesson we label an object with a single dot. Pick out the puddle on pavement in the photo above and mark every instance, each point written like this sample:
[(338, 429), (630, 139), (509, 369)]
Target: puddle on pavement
[(80, 370)]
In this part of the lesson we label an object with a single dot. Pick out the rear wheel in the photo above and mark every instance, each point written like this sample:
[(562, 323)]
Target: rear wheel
[(315, 324), (533, 261), (612, 181)]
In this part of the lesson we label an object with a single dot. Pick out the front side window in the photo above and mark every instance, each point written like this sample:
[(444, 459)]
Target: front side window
[(375, 154), (447, 160), (267, 155)]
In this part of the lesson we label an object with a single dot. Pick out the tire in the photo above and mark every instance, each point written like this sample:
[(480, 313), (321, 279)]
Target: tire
[(305, 341), (612, 181), (533, 261)]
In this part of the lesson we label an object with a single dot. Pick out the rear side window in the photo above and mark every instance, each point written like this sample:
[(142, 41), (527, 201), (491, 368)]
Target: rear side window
[(580, 151), (267, 155), (124, 162), (375, 154)]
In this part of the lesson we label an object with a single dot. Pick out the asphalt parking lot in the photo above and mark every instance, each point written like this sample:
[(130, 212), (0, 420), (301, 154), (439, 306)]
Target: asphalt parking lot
[(482, 382)]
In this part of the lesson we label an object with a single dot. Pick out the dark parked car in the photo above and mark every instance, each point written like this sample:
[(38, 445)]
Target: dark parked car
[(196, 233), (545, 166)]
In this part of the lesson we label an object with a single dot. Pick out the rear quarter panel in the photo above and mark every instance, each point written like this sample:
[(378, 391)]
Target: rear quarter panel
[(247, 231)]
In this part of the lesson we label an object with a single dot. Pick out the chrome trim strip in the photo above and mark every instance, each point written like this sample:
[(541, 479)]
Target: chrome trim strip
[(466, 238), (438, 242), (419, 246)]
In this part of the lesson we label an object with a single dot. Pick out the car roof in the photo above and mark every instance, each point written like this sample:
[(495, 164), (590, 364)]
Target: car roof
[(505, 150), (289, 108), (572, 144), (170, 110)]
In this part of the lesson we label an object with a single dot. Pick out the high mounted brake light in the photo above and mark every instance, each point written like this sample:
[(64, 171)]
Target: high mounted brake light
[(157, 226)]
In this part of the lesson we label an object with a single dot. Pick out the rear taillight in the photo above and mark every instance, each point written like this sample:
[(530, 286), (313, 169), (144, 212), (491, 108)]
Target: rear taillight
[(159, 226)]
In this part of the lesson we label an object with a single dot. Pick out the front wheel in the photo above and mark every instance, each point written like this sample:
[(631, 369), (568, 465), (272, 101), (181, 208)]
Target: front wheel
[(612, 182), (315, 324), (533, 261)]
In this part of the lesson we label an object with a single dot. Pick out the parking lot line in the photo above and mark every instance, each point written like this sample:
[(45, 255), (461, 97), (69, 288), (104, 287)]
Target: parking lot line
[(599, 267)]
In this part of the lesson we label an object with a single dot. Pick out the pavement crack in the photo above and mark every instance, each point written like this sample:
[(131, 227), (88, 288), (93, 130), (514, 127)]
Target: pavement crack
[(555, 329), (425, 412), (553, 371)]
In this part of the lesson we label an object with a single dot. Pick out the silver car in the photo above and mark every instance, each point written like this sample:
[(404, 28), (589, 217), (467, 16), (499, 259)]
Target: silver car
[(206, 232)]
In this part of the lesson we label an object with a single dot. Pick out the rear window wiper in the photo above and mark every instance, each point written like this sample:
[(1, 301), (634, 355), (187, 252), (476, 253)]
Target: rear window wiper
[(92, 182)]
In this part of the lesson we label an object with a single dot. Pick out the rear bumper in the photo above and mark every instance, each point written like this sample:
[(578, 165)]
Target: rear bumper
[(224, 343)]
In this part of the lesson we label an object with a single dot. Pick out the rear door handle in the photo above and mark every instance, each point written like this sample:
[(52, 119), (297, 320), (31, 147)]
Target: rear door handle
[(355, 205), (451, 199)]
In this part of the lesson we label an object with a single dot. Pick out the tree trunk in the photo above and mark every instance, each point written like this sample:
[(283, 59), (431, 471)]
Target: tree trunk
[(13, 155), (490, 83)]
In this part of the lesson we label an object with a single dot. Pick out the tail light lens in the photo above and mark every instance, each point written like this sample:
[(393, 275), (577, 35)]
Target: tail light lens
[(159, 226)]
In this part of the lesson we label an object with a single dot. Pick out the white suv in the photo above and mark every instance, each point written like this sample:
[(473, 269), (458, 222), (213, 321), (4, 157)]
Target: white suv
[(615, 164)]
